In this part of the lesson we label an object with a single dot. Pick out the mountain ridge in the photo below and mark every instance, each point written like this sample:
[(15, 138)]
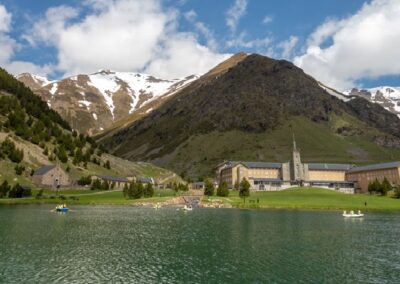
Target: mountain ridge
[(91, 103), (257, 95)]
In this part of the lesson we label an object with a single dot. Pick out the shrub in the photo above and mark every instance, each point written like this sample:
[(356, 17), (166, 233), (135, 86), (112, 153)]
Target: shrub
[(148, 190), (244, 189), (4, 189), (222, 189), (39, 194), (85, 180), (19, 169), (208, 188)]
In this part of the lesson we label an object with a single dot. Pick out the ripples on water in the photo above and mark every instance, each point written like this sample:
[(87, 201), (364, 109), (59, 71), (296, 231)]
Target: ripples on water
[(133, 245)]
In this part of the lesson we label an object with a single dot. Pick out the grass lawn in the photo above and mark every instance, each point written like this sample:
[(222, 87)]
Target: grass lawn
[(310, 198), (79, 196)]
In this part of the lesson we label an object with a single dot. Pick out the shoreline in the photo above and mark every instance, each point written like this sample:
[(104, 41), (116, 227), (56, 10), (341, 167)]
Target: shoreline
[(149, 205)]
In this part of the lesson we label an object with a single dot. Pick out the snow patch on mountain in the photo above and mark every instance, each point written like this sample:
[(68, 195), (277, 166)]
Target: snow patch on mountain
[(332, 92), (386, 96), (53, 89)]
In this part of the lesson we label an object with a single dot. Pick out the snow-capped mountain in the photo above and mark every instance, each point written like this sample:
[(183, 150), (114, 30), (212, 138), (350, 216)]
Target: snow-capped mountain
[(91, 103), (387, 97)]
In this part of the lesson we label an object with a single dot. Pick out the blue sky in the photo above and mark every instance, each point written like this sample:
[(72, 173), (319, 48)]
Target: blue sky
[(340, 42)]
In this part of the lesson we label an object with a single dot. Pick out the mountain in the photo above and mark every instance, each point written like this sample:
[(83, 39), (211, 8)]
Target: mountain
[(247, 109), (32, 135), (92, 103), (387, 97)]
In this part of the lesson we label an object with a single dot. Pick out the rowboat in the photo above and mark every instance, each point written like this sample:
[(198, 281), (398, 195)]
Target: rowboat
[(351, 214), (62, 208)]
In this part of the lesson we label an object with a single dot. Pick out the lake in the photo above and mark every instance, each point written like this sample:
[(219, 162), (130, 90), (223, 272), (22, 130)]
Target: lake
[(105, 244)]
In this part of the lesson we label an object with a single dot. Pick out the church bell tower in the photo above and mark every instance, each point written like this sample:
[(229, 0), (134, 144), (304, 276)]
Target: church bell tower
[(296, 167)]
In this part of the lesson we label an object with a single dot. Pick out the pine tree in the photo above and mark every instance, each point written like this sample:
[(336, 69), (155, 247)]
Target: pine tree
[(244, 189), (4, 189), (148, 190), (208, 188), (385, 186), (222, 189)]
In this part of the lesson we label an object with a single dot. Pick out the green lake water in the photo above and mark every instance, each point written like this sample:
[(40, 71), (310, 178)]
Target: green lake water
[(101, 244)]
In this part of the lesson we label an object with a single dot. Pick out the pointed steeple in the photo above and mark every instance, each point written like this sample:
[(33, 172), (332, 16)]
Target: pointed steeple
[(294, 144)]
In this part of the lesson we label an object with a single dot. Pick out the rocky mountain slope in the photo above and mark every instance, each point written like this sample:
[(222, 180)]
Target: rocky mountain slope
[(387, 97), (32, 135), (246, 108), (92, 103)]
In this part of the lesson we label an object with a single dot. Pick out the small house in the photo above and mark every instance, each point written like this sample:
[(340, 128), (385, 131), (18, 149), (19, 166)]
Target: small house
[(117, 182), (199, 185), (51, 176), (146, 180)]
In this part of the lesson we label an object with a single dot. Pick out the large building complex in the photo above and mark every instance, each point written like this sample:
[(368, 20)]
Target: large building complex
[(362, 176), (276, 176)]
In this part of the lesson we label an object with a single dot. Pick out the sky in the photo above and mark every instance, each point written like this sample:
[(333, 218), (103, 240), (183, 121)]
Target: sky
[(342, 43)]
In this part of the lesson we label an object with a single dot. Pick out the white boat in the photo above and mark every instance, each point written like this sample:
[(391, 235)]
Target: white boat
[(187, 208), (351, 214), (157, 206)]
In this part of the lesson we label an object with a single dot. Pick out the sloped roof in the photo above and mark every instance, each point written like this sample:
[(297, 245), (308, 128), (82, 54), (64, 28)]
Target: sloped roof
[(114, 178), (266, 179), (145, 180), (376, 167), (262, 165), (332, 167), (43, 170)]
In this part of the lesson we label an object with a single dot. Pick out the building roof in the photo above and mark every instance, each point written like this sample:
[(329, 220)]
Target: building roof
[(330, 181), (43, 170), (252, 165), (332, 167), (145, 180), (267, 179), (114, 178), (376, 167), (262, 165)]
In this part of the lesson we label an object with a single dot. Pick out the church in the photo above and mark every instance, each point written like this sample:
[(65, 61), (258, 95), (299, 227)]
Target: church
[(277, 176)]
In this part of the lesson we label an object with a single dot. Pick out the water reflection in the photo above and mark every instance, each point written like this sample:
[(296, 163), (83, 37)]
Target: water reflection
[(126, 244)]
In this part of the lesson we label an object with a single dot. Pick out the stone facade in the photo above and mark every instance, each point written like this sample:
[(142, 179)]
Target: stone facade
[(277, 176), (362, 176), (51, 176)]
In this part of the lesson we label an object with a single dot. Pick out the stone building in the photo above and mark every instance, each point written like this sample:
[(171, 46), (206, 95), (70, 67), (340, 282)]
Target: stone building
[(277, 176), (114, 181), (51, 176), (362, 176)]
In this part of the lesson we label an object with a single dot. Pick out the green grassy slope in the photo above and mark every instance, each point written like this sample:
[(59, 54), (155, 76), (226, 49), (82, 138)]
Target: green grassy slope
[(311, 198), (319, 142)]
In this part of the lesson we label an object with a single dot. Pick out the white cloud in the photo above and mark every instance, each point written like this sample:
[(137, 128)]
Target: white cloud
[(241, 41), (5, 19), (124, 35), (267, 20), (202, 28), (235, 13), (287, 46), (9, 46), (364, 45)]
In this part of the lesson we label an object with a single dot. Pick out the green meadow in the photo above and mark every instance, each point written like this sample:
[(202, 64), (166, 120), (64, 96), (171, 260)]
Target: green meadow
[(309, 198)]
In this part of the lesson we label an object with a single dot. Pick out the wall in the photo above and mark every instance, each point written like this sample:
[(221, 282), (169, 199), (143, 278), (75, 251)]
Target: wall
[(48, 179), (365, 177), (327, 175)]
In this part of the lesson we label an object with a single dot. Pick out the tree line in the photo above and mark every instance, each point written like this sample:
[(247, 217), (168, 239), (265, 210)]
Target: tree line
[(223, 191)]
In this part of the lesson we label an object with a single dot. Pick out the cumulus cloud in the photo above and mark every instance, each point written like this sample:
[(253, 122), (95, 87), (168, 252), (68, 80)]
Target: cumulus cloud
[(267, 20), (124, 35), (235, 13), (287, 46), (9, 46), (364, 45), (242, 41)]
